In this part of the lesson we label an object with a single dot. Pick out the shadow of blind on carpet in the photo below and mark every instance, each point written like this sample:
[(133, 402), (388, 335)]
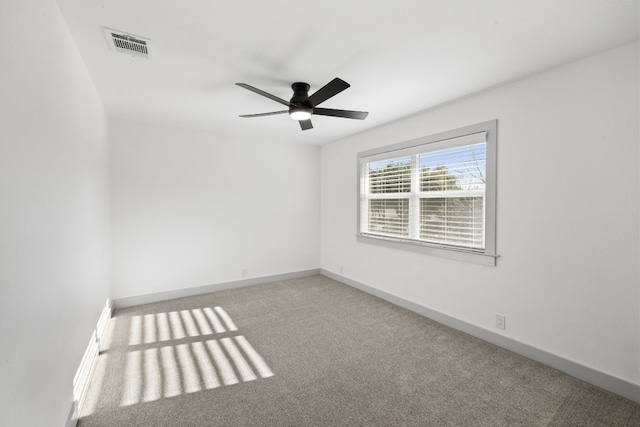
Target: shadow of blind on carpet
[(175, 353)]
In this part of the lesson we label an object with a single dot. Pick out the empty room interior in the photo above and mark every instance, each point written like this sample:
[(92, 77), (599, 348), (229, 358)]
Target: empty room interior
[(241, 213)]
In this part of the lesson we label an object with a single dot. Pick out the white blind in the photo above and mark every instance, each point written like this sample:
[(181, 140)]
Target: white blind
[(434, 193)]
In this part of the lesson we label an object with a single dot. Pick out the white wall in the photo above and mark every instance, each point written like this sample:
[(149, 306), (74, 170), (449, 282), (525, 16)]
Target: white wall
[(567, 228), (192, 208), (53, 213)]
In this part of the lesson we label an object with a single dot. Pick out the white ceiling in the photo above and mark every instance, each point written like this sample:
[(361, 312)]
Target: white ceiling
[(400, 57)]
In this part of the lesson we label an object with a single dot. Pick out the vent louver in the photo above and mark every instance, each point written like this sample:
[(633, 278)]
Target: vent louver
[(128, 44)]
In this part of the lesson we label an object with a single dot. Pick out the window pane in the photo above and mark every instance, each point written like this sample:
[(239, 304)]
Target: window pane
[(390, 176), (455, 221), (458, 168), (389, 216)]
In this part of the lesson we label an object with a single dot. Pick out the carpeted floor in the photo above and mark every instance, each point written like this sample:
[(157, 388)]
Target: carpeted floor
[(315, 352)]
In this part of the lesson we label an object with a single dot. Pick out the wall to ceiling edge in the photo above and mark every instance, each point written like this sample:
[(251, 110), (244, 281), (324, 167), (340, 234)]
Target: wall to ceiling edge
[(54, 221), (567, 279)]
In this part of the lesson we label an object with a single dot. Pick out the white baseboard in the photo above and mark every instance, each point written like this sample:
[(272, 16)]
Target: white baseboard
[(199, 290), (600, 379), (82, 378)]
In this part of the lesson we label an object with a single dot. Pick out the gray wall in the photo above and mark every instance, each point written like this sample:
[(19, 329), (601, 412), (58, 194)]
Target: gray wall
[(54, 213)]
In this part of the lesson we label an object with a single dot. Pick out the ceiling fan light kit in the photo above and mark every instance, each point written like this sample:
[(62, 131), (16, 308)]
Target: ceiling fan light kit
[(302, 106), (300, 113)]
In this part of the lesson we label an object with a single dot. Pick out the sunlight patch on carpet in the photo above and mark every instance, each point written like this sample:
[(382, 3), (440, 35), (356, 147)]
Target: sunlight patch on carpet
[(156, 368)]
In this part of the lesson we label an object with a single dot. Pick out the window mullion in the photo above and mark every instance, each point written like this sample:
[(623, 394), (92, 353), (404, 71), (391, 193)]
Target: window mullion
[(414, 199), (364, 200)]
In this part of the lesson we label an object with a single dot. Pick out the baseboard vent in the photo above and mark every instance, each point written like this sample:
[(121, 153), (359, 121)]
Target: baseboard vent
[(83, 375), (103, 320), (128, 44), (82, 378)]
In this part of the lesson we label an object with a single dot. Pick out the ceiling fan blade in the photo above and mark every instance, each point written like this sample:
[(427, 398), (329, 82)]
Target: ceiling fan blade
[(332, 88), (306, 124), (263, 93), (347, 114), (273, 113)]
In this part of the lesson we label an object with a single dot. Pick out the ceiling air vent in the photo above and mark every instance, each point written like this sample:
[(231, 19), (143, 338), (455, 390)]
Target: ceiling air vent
[(128, 43)]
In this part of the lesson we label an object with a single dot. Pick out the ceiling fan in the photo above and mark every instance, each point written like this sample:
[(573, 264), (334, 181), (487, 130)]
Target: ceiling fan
[(302, 106)]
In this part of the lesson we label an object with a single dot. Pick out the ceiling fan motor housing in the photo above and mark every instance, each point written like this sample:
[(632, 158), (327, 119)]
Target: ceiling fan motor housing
[(300, 95)]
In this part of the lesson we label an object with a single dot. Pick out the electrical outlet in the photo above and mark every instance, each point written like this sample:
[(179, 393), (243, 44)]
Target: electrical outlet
[(501, 321), (244, 272)]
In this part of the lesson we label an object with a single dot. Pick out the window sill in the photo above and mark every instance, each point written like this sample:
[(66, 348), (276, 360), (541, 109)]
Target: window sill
[(425, 248)]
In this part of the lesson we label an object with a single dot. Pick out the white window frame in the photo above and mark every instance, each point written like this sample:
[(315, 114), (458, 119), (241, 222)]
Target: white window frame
[(456, 137)]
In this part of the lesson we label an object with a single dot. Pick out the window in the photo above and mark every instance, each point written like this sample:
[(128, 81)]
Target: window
[(436, 192)]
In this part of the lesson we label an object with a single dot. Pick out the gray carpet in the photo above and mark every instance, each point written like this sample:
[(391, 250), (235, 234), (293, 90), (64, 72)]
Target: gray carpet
[(315, 352)]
